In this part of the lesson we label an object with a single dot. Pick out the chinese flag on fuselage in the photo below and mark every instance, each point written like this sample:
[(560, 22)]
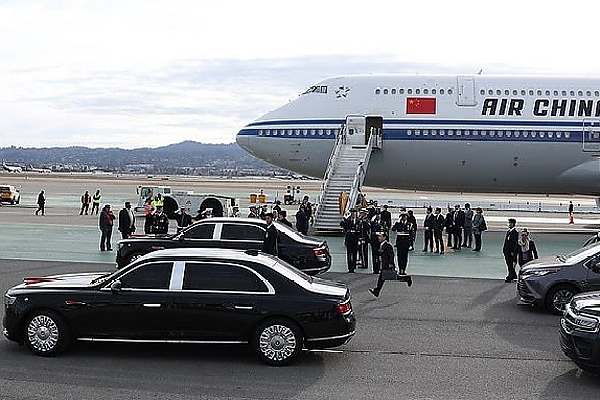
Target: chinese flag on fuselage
[(420, 105)]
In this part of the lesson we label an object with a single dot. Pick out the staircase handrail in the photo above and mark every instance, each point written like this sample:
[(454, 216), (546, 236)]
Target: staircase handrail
[(341, 136), (359, 177)]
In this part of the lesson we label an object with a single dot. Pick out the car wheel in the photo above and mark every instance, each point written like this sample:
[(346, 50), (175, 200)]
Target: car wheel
[(19, 200), (134, 256), (558, 297), (589, 369), (46, 333), (277, 342)]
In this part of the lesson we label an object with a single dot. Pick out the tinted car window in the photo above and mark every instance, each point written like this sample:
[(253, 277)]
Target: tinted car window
[(201, 231), (242, 232), (209, 276), (148, 276)]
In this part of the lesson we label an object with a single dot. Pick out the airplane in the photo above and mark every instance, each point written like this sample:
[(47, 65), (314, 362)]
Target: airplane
[(11, 168), (39, 170), (465, 133)]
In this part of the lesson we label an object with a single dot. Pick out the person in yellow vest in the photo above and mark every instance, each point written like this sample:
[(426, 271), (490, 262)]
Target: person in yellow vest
[(96, 202), (158, 201)]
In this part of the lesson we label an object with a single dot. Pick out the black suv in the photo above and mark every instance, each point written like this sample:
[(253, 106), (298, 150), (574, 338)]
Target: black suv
[(306, 253), (580, 331)]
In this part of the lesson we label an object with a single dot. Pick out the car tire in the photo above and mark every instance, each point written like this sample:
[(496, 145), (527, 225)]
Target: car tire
[(277, 341), (589, 369), (46, 333), (134, 256), (19, 200), (558, 297)]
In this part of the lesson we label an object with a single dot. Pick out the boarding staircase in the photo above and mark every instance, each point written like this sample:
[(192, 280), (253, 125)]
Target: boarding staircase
[(345, 173)]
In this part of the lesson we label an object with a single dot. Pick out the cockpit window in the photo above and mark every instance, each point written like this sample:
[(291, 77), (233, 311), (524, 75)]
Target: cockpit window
[(316, 89)]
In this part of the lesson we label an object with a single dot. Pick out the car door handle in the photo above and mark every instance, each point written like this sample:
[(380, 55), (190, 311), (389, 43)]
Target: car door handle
[(152, 305), (243, 307)]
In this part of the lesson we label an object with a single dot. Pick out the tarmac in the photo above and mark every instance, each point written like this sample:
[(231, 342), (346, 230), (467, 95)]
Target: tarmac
[(64, 235)]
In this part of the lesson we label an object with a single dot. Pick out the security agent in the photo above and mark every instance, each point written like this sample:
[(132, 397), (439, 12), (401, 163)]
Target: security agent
[(270, 239), (509, 250), (350, 225), (377, 226), (386, 252), (364, 233), (402, 229)]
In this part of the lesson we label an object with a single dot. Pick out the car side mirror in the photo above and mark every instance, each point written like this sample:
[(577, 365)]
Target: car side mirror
[(115, 287)]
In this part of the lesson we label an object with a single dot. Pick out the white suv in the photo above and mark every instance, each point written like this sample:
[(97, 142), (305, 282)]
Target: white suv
[(10, 194)]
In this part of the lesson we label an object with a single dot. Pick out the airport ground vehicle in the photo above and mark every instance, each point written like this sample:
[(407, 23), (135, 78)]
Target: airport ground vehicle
[(221, 206), (306, 253), (580, 331), (553, 281), (10, 194), (184, 296)]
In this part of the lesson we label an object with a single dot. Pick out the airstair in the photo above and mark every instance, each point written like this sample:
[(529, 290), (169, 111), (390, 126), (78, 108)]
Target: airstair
[(346, 171)]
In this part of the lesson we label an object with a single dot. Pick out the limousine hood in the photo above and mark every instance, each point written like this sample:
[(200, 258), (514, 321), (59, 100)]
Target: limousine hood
[(59, 281)]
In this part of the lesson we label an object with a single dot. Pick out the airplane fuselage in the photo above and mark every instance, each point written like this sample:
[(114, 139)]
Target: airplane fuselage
[(447, 133)]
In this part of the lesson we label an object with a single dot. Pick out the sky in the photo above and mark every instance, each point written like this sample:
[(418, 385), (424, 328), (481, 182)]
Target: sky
[(137, 73)]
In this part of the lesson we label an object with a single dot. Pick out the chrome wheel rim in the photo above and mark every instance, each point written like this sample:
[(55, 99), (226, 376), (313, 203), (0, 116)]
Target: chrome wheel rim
[(561, 299), (277, 342), (42, 333)]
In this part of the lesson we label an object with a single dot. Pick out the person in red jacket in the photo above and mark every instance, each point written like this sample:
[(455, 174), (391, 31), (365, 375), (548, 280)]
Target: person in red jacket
[(105, 222)]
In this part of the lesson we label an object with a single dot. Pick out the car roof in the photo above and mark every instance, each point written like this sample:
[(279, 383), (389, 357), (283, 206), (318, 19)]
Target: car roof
[(226, 254), (233, 219)]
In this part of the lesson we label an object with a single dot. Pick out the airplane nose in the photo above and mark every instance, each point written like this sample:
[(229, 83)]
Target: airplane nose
[(243, 140)]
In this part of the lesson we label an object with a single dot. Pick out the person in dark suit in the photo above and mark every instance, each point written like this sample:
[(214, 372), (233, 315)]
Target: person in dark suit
[(270, 239), (402, 229), (386, 255), (438, 230), (41, 202), (413, 232), (183, 219), (126, 221), (160, 222), (386, 217), (253, 212), (449, 225), (377, 227), (458, 219), (364, 233), (509, 249), (350, 225), (428, 227), (105, 223), (282, 218), (302, 220)]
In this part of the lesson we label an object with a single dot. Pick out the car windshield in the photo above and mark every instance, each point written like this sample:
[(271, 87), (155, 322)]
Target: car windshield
[(580, 254)]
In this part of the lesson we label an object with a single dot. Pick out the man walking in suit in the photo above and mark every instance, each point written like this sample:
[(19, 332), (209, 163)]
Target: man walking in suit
[(402, 229), (386, 251), (510, 250), (350, 225)]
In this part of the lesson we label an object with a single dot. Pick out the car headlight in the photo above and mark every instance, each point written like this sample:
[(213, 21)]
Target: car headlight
[(539, 272), (9, 300)]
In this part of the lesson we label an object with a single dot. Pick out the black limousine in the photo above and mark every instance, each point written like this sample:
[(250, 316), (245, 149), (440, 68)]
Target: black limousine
[(306, 253), (184, 296)]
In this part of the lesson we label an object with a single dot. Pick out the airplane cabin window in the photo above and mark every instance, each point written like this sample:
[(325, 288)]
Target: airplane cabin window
[(482, 92), (385, 91), (492, 133), (499, 92), (515, 92), (572, 93), (542, 134), (450, 132), (377, 91), (441, 91), (580, 93), (289, 132), (312, 132), (483, 133), (507, 92), (523, 92), (432, 91), (550, 134), (320, 131), (449, 91), (260, 132), (555, 92), (433, 132), (426, 132), (417, 91), (417, 132), (467, 132), (533, 134), (490, 92), (267, 132), (408, 132), (409, 91), (394, 91), (558, 135), (596, 93), (425, 91), (525, 134), (567, 135), (588, 93), (458, 132), (564, 93), (304, 132), (401, 91), (539, 92), (442, 132), (547, 93), (531, 92), (297, 131)]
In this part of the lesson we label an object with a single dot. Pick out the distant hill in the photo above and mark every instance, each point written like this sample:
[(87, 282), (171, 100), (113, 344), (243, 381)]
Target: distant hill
[(187, 157)]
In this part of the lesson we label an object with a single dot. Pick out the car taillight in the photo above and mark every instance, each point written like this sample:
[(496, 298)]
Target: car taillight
[(345, 308), (32, 281), (320, 251)]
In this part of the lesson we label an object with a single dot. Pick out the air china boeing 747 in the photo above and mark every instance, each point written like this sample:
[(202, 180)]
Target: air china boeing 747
[(492, 134)]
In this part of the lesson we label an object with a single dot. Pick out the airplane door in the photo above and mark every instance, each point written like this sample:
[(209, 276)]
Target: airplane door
[(355, 129), (466, 91), (591, 135)]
